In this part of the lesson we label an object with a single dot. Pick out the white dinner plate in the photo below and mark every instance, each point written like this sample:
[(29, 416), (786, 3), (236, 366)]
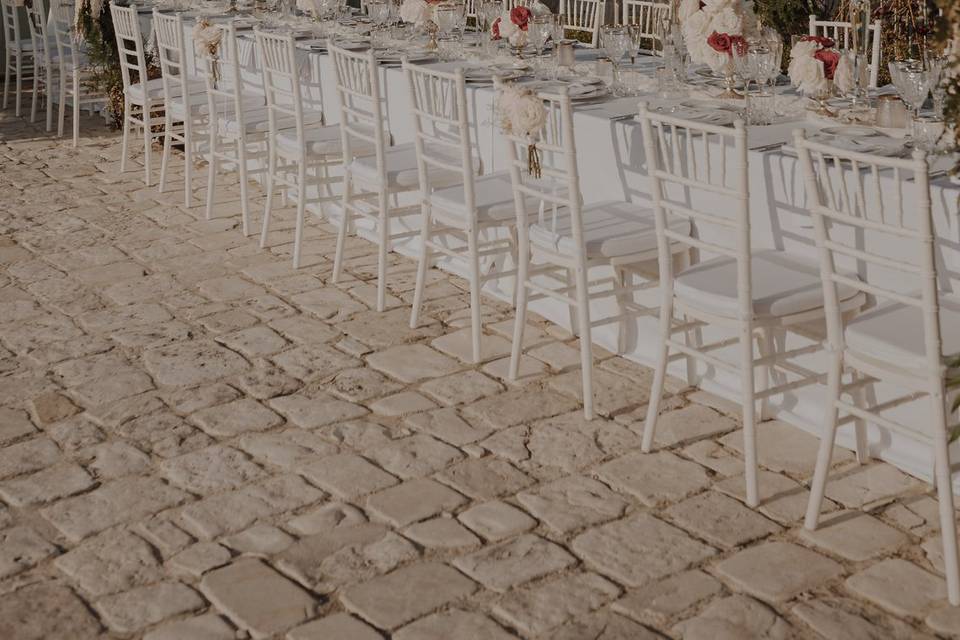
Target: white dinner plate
[(851, 131)]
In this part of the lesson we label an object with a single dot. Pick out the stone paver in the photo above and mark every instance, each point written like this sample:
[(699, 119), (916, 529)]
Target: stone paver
[(778, 571), (257, 598), (199, 442), (407, 594)]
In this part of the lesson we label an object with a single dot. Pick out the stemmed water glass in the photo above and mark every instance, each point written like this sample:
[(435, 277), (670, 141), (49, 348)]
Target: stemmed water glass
[(539, 31), (445, 15), (912, 81), (490, 10), (615, 41)]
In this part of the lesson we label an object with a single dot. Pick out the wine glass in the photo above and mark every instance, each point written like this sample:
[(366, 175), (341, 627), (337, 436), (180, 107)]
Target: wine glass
[(539, 31), (379, 11), (912, 81), (615, 41), (445, 15)]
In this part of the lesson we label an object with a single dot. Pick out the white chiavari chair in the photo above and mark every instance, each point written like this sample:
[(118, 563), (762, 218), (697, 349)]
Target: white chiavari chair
[(584, 16), (567, 239), (746, 292), (910, 336), (18, 53), (374, 172), (184, 99), (43, 57), (649, 16), (510, 4), (467, 211), (73, 70), (839, 32), (142, 95), (300, 149)]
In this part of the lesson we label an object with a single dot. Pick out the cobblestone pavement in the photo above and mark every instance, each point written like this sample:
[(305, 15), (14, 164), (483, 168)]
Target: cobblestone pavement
[(198, 442)]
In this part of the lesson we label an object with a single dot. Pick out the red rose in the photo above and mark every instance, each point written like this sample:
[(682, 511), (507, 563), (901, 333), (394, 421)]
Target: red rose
[(830, 60), (520, 16), (495, 29), (823, 41), (719, 42)]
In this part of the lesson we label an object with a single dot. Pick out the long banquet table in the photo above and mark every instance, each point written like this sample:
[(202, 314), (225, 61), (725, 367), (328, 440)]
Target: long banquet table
[(611, 165)]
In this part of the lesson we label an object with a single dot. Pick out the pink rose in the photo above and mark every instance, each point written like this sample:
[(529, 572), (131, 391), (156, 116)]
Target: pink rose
[(830, 60)]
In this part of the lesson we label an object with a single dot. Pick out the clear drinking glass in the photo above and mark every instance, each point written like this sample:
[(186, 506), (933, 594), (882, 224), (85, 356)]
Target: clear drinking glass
[(615, 41), (445, 15), (912, 81), (379, 11), (539, 31), (927, 132)]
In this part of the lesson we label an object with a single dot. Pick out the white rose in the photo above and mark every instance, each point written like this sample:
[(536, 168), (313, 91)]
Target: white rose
[(805, 71), (844, 78), (415, 11), (686, 9), (539, 9), (528, 115), (727, 21), (507, 28), (206, 37)]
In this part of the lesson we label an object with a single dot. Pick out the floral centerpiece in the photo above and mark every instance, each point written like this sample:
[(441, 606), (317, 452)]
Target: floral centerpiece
[(522, 114), (711, 28), (207, 39), (816, 67), (514, 24)]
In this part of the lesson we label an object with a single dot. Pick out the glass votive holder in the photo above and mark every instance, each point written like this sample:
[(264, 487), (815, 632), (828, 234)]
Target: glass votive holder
[(927, 131), (760, 107), (449, 48), (891, 112)]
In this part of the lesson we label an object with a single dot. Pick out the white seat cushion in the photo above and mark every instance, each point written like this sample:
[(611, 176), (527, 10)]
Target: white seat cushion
[(199, 104), (319, 141), (893, 332), (493, 196), (402, 171), (610, 230), (154, 89), (782, 285), (258, 121)]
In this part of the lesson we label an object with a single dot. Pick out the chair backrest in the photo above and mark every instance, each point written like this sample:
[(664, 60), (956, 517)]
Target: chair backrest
[(37, 20), (441, 125), (510, 4), (684, 158), (362, 113), (221, 74), (583, 15), (11, 24), (559, 182), (126, 28), (61, 23), (281, 82), (855, 218), (649, 16), (172, 53), (839, 32)]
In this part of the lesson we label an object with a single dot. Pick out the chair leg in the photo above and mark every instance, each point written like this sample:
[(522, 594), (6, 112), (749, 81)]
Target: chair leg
[(34, 94), (6, 77), (76, 109), (621, 280), (187, 162), (62, 107), (860, 425), (211, 174), (586, 344), (948, 522), (244, 204), (659, 372), (521, 297), (825, 454), (514, 254), (19, 65), (301, 211), (422, 265), (574, 328), (384, 249), (125, 144), (147, 143), (748, 400), (344, 226), (476, 323), (48, 100), (268, 205), (167, 147), (764, 379)]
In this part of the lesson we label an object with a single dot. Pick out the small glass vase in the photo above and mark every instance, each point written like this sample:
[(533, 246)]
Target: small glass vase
[(823, 108)]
